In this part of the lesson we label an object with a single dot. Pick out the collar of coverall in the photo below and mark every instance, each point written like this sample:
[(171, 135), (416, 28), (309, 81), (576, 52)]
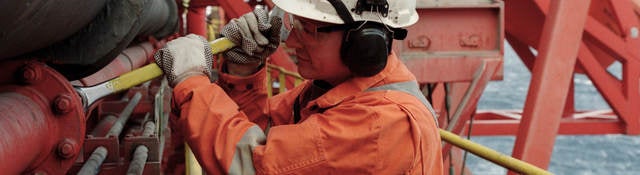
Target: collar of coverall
[(358, 84)]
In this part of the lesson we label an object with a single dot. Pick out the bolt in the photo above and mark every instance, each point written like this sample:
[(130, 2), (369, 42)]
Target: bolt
[(30, 74), (62, 104), (67, 148)]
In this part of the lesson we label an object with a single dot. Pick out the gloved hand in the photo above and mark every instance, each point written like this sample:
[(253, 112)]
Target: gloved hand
[(185, 57), (257, 37)]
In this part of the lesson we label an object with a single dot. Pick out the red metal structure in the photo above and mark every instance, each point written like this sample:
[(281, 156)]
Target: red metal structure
[(455, 50)]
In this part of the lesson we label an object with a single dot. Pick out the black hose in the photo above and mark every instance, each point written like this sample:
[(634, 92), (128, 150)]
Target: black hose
[(115, 28)]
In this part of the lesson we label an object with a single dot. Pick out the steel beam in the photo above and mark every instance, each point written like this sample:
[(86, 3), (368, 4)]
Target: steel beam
[(559, 43), (566, 127), (609, 86), (522, 49), (630, 87)]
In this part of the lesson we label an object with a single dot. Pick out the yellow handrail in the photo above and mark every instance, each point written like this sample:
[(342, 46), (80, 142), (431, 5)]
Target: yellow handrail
[(491, 155), (192, 167), (282, 78)]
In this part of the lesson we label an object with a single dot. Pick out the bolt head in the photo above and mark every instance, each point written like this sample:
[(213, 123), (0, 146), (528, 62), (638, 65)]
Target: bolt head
[(30, 74), (62, 104), (67, 148)]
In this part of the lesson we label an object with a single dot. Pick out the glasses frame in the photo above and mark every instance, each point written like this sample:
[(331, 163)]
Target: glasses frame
[(300, 24)]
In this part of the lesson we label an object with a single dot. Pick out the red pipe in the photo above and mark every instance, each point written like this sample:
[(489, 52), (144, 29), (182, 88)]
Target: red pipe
[(196, 21), (132, 58), (24, 134)]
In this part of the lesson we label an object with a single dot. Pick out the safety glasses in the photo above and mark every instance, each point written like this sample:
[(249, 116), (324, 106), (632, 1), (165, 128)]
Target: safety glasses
[(308, 29)]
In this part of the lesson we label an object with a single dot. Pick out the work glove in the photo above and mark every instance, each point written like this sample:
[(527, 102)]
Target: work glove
[(256, 36), (184, 57)]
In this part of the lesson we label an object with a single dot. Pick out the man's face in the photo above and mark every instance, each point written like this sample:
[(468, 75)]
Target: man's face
[(317, 53)]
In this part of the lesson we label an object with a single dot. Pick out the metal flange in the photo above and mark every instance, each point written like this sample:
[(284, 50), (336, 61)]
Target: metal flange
[(42, 100)]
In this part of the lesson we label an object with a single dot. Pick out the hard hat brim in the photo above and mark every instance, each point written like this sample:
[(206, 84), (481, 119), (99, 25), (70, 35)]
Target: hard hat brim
[(321, 10)]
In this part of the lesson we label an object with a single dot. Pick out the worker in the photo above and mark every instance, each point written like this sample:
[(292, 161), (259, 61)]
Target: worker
[(359, 112)]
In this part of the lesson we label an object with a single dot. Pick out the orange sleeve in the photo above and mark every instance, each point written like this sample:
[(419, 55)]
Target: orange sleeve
[(250, 93), (351, 138), (211, 122)]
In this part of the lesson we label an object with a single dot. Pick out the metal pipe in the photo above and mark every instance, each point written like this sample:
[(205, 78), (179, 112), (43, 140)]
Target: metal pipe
[(467, 95), (491, 155), (116, 129), (140, 155), (24, 133), (118, 25), (103, 127), (92, 165), (136, 167), (149, 129)]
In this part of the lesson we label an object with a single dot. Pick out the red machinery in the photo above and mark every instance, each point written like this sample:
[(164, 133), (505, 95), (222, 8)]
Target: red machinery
[(454, 50)]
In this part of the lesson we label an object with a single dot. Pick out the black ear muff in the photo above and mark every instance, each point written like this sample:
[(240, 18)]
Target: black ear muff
[(365, 45), (365, 49)]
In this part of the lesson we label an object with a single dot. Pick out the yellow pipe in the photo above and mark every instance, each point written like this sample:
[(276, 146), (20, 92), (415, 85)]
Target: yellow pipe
[(491, 155), (282, 73), (286, 72), (269, 84), (191, 163), (283, 82)]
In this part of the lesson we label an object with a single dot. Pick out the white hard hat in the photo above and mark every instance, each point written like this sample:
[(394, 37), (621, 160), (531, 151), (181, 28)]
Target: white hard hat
[(401, 13)]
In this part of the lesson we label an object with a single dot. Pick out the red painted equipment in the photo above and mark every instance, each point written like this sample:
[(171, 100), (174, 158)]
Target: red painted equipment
[(455, 50), (41, 120)]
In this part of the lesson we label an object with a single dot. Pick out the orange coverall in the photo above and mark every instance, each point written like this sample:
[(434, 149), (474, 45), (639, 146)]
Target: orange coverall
[(344, 131)]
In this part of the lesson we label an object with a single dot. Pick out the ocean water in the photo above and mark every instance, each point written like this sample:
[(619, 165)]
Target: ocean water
[(572, 155)]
